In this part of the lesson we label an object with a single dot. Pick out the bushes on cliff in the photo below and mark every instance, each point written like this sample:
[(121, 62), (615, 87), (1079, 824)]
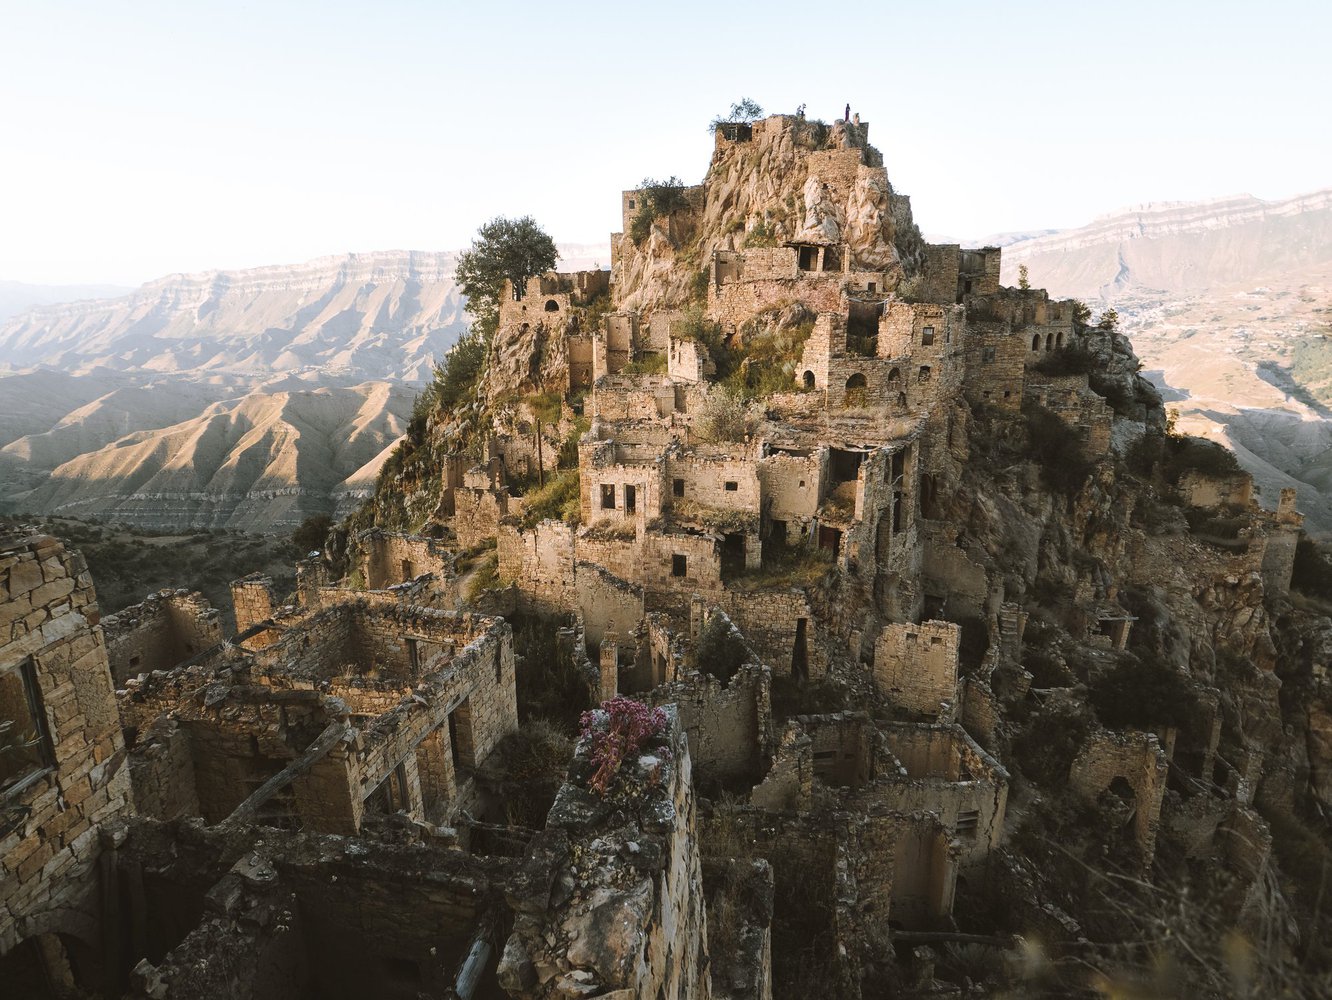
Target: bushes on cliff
[(656, 200), (557, 500), (1313, 570), (1074, 359), (1046, 747), (457, 374), (1057, 449), (1135, 694), (1184, 454)]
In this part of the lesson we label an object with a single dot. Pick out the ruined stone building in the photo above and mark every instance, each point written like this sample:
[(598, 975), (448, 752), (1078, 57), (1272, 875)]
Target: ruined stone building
[(754, 474)]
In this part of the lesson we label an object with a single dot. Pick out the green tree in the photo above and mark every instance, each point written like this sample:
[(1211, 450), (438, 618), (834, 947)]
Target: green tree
[(1023, 282), (1109, 320), (743, 112), (311, 534), (657, 199), (516, 249)]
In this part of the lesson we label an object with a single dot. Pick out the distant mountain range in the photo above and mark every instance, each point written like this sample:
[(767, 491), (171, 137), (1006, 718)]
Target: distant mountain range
[(249, 398), (19, 296), (1229, 305)]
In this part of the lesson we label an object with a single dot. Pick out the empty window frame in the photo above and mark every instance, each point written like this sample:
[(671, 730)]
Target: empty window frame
[(25, 741), (927, 336), (679, 565), (677, 488), (607, 496)]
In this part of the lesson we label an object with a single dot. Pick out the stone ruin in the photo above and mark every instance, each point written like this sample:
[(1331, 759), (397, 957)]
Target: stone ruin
[(185, 814)]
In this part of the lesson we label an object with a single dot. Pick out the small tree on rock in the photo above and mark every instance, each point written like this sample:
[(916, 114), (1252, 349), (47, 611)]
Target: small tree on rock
[(743, 112), (1023, 282), (516, 249)]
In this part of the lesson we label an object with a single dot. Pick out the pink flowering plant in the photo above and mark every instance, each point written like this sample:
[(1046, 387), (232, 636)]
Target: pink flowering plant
[(619, 732)]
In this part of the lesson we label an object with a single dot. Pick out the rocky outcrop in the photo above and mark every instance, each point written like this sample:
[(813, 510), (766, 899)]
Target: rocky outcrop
[(611, 903)]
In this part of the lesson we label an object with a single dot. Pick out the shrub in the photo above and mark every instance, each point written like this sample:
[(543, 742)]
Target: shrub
[(549, 684), (648, 364), (546, 406), (619, 731), (1072, 359), (656, 200), (460, 369), (1313, 570), (557, 500), (743, 112), (760, 236), (1197, 454), (1139, 695), (311, 534), (726, 415), (1046, 748), (1057, 448)]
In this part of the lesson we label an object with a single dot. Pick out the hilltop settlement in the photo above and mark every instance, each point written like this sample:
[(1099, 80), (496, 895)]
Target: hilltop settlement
[(791, 609)]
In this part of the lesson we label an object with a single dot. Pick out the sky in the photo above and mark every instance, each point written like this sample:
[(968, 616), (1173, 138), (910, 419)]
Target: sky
[(140, 138)]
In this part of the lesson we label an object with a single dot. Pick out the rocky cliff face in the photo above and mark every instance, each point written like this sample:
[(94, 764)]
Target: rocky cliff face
[(795, 180)]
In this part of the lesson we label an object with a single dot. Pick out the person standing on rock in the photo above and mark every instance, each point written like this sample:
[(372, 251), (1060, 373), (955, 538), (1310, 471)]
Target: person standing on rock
[(846, 115)]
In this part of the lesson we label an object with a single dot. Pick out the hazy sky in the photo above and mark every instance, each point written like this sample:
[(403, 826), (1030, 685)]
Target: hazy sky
[(139, 138)]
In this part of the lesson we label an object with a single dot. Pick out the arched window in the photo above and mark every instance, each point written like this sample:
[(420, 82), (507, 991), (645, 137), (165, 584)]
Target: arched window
[(894, 374), (901, 400), (1059, 339), (924, 373), (809, 380), (552, 306), (855, 390), (1049, 341), (1036, 342)]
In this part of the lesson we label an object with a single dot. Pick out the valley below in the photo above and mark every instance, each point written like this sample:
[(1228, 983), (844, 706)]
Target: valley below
[(1229, 306)]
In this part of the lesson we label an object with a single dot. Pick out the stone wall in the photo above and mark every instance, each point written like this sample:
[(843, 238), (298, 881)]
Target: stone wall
[(729, 726), (606, 602), (950, 775), (389, 558), (252, 601), (166, 629), (915, 666), (781, 627), (61, 793), (1135, 763), (631, 921)]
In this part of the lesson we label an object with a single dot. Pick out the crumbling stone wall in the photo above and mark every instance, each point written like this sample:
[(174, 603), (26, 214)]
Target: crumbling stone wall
[(606, 602), (915, 666), (252, 601), (634, 397), (951, 776), (1201, 489), (389, 558), (62, 793), (297, 915), (1137, 761), (729, 726), (166, 629), (781, 627), (1070, 398), (627, 917)]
